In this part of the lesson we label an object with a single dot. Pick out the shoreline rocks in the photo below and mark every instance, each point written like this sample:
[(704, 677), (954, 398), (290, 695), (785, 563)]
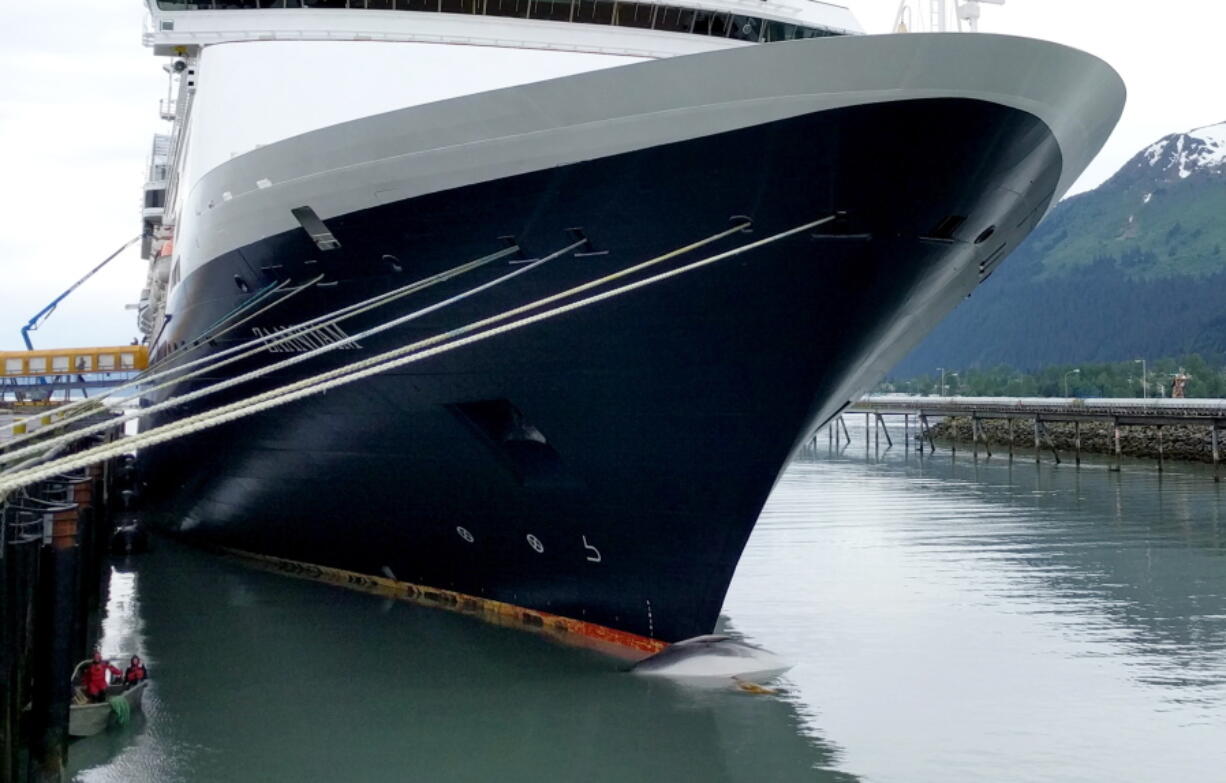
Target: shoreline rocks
[(1192, 443)]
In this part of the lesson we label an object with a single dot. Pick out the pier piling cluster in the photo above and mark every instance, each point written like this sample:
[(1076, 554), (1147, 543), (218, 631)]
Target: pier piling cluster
[(54, 539), (1154, 429)]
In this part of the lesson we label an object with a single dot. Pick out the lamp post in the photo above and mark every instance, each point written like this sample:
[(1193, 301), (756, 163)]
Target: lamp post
[(953, 375), (1066, 375), (941, 370), (1144, 378)]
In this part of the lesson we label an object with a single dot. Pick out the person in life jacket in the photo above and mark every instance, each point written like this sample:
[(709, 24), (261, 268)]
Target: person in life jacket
[(135, 673), (94, 679)]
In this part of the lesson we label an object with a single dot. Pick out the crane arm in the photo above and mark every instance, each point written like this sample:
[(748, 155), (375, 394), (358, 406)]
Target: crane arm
[(44, 313)]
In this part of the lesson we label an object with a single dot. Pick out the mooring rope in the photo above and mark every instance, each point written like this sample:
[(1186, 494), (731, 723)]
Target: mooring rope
[(11, 456), (205, 337), (261, 344), (281, 396)]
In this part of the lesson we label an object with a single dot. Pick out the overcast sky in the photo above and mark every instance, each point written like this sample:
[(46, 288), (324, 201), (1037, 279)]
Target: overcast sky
[(78, 107)]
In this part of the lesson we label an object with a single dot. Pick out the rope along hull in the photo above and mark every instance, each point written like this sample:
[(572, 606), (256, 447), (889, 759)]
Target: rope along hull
[(606, 466)]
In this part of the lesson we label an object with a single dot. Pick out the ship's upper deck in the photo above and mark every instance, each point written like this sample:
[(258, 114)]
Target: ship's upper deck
[(604, 26)]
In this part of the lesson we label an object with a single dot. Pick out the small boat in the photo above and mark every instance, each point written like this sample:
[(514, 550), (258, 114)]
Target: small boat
[(86, 718)]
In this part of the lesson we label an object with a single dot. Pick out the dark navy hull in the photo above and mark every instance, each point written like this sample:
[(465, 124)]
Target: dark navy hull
[(667, 414)]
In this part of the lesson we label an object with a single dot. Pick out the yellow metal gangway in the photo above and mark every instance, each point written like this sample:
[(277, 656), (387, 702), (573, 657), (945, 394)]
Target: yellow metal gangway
[(73, 361), (34, 377)]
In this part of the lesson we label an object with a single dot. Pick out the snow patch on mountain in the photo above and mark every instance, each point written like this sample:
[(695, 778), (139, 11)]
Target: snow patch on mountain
[(1185, 153)]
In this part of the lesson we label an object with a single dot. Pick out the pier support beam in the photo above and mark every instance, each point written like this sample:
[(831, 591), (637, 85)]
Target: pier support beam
[(906, 433), (1037, 447), (846, 434), (1077, 442), (1118, 454), (927, 431), (889, 442), (1160, 454), (1010, 421), (53, 662), (1051, 444), (1213, 430)]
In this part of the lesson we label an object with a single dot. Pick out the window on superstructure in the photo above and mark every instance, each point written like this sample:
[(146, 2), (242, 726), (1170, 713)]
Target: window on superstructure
[(633, 14), (675, 20), (647, 16), (551, 10)]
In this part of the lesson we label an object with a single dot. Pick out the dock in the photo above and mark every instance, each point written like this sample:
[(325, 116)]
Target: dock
[(992, 420)]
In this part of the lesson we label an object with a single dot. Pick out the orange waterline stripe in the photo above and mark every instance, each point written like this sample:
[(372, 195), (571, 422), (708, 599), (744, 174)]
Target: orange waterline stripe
[(622, 644)]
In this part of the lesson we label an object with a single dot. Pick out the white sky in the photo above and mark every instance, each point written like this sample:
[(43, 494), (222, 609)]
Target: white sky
[(78, 107)]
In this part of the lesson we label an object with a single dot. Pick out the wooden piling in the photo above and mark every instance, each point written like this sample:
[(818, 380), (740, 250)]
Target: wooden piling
[(889, 442), (54, 660), (1051, 444), (906, 432), (1037, 447), (1077, 442), (975, 436), (1119, 458), (1160, 454), (1010, 420), (1213, 436)]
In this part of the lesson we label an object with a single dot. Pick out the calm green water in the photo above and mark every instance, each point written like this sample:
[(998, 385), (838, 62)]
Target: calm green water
[(950, 621)]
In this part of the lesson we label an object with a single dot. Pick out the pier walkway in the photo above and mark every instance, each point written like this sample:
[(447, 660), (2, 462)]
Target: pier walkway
[(1152, 414), (1154, 411), (35, 376)]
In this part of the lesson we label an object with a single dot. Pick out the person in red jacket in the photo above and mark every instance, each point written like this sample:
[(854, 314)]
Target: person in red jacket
[(94, 679), (135, 673)]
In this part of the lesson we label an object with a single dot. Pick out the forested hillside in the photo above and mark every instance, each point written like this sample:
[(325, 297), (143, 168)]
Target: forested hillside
[(1134, 268)]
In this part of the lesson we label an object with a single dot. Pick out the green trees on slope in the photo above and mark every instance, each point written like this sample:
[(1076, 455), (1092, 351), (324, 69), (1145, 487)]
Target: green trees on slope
[(1097, 379)]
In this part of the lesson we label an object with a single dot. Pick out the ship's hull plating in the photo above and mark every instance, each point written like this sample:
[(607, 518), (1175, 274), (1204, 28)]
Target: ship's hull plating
[(667, 414)]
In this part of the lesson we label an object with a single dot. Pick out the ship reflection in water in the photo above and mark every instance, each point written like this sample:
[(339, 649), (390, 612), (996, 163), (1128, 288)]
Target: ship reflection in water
[(949, 621), (264, 678)]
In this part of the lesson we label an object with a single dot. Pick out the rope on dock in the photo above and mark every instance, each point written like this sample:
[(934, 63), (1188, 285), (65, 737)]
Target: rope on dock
[(399, 357)]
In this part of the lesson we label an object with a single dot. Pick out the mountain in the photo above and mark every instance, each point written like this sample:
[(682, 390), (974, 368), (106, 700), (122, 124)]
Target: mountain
[(1133, 268)]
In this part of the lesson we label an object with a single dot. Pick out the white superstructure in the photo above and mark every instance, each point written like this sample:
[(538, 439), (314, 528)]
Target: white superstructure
[(248, 73)]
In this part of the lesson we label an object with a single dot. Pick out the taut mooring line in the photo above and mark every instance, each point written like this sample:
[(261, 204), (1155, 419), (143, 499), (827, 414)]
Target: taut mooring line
[(378, 364)]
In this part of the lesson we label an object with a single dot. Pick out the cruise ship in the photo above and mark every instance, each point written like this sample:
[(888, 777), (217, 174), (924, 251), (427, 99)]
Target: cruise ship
[(739, 213)]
